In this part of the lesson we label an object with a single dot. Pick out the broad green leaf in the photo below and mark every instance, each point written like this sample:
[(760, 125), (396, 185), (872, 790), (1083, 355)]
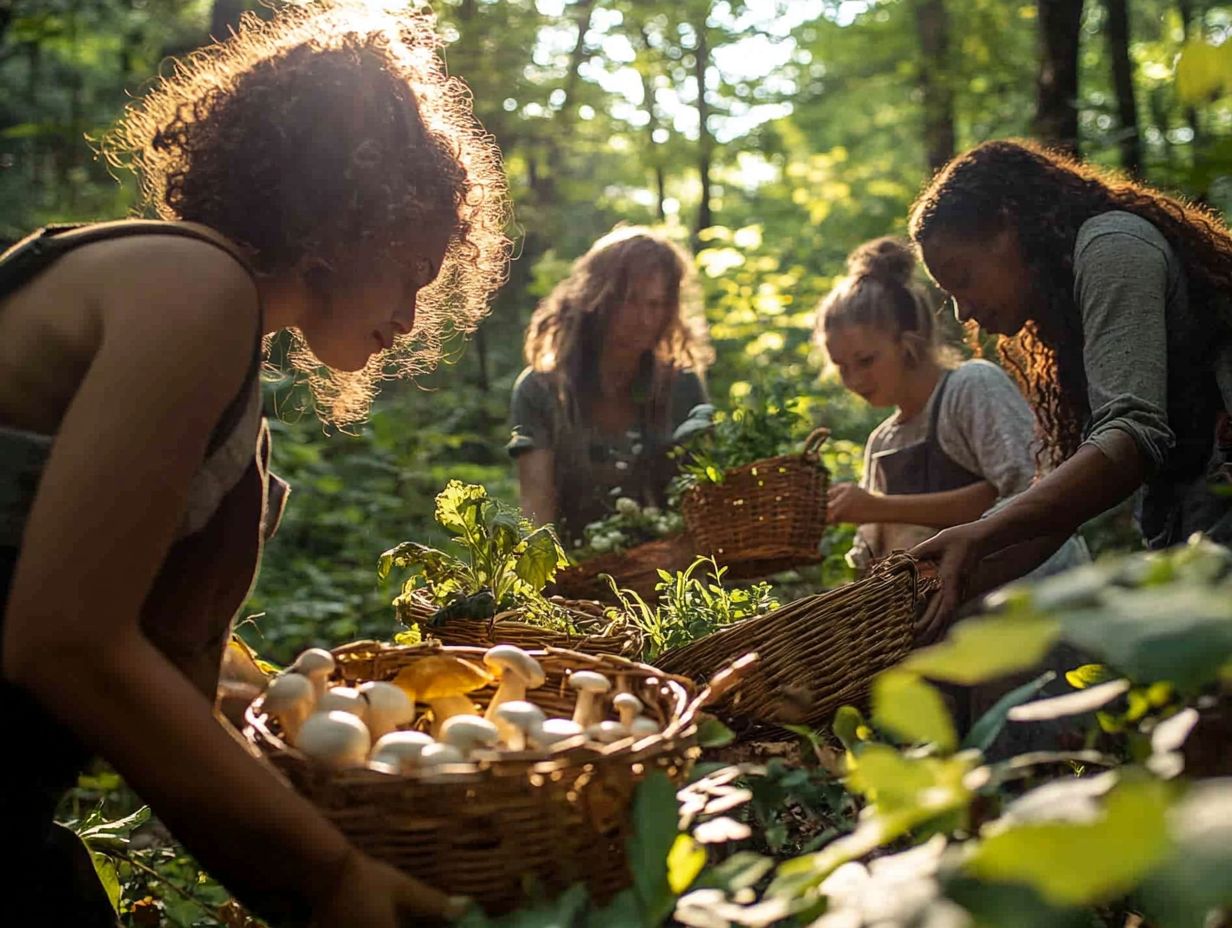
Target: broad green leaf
[(684, 862), (985, 731), (1011, 905), (537, 564), (1203, 71), (1197, 877), (712, 733), (104, 866), (848, 726), (458, 505), (654, 833), (1179, 633), (912, 709), (740, 871), (1059, 858), (983, 649), (410, 636)]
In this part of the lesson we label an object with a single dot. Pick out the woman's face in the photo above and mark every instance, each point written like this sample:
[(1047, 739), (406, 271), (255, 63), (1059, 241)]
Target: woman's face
[(872, 362), (637, 324), (357, 312), (988, 281)]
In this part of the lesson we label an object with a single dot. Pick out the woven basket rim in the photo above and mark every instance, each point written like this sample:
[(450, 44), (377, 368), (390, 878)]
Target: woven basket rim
[(499, 765)]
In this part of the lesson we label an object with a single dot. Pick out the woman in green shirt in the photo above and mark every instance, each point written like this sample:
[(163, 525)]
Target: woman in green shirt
[(1113, 303), (616, 356)]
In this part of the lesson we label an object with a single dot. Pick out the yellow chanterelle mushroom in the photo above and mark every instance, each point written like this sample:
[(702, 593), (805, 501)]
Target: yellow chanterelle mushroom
[(442, 681)]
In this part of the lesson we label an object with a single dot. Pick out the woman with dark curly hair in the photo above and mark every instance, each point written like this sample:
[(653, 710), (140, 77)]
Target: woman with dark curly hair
[(318, 173), (616, 355), (1114, 306)]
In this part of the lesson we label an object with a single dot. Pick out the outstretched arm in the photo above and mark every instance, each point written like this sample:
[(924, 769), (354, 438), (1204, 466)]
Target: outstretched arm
[(847, 502)]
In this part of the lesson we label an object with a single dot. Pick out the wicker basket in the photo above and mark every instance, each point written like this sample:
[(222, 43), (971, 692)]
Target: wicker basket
[(597, 634), (764, 517), (636, 569), (508, 824), (816, 654)]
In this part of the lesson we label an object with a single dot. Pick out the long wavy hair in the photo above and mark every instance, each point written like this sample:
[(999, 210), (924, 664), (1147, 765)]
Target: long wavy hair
[(1047, 196), (565, 336), (320, 138)]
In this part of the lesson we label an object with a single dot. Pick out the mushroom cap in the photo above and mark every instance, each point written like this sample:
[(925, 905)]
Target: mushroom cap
[(525, 715), (344, 699), (400, 747), (641, 726), (388, 701), (506, 658), (314, 661), (336, 738), (607, 732), (627, 700), (436, 754), (288, 690), (440, 676), (587, 681), (466, 732), (553, 730)]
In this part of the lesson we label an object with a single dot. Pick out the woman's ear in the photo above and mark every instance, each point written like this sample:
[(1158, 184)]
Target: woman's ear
[(316, 272)]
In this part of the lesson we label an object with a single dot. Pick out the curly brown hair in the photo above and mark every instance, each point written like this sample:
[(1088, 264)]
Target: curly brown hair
[(565, 336), (1048, 195), (320, 138)]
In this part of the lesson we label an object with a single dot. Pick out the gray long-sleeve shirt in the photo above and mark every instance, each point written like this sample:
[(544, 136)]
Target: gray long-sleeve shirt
[(1131, 290)]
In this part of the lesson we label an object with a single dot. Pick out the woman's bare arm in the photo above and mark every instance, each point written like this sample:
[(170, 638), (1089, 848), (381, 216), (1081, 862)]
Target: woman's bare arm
[(537, 485), (849, 503)]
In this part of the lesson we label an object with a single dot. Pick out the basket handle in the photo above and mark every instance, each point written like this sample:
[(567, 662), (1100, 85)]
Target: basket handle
[(722, 683), (812, 444)]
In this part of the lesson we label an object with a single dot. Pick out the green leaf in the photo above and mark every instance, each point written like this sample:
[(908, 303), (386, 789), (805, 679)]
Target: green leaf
[(105, 867), (912, 709), (740, 871), (1089, 675), (1203, 71), (985, 731), (983, 649), (848, 724), (654, 832), (1059, 858), (712, 733), (1196, 878), (537, 564), (684, 862), (458, 506)]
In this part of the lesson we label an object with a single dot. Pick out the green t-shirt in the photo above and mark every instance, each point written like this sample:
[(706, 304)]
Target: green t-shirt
[(591, 468)]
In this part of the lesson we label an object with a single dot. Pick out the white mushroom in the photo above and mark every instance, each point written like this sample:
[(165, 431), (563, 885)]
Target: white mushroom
[(336, 739), (389, 707), (589, 685), (400, 749), (468, 732), (290, 698), (344, 699), (515, 720), (606, 732), (554, 731), (316, 664), (518, 673), (434, 755), (642, 727), (629, 707)]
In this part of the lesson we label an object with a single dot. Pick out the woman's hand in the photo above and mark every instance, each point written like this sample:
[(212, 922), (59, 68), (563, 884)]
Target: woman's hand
[(847, 502), (957, 552), (369, 894)]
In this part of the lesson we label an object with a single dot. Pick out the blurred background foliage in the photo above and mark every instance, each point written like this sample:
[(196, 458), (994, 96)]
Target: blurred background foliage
[(771, 136)]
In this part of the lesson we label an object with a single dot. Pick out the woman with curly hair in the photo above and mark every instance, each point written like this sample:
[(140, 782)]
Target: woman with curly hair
[(616, 356), (959, 439), (318, 173), (1114, 306)]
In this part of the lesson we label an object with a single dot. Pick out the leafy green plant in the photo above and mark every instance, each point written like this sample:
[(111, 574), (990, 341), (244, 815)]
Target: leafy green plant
[(504, 561), (692, 603), (766, 422), (627, 526)]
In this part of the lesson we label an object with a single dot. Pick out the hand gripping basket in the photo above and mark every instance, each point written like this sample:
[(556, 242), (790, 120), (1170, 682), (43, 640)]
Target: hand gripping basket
[(816, 654), (635, 569), (596, 633), (499, 827), (764, 517)]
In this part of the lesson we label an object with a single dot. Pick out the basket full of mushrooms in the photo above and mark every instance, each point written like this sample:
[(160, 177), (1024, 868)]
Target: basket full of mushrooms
[(487, 773)]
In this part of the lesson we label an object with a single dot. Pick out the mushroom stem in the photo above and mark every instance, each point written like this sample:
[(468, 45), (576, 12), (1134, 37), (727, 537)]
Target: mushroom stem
[(512, 689)]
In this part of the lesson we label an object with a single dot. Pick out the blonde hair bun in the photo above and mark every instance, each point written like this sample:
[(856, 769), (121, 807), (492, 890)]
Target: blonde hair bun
[(887, 259)]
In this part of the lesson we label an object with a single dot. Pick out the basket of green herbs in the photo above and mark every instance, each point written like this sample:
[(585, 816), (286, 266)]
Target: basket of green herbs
[(749, 500), (491, 590)]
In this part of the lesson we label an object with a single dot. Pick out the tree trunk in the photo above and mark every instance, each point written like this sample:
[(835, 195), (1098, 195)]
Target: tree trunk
[(932, 24), (653, 155), (555, 152), (1123, 85), (705, 141), (1056, 111)]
